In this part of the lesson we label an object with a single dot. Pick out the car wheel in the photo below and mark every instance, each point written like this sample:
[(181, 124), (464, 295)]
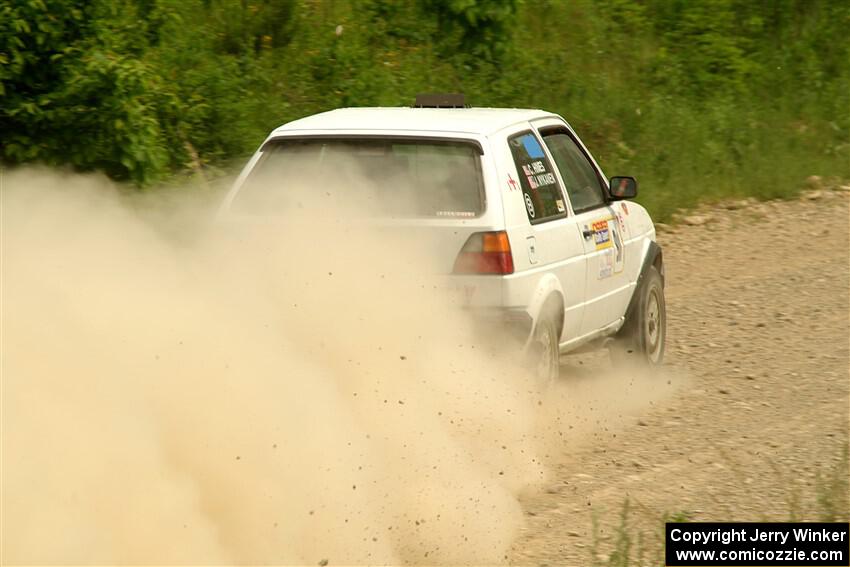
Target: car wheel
[(643, 337), (545, 357)]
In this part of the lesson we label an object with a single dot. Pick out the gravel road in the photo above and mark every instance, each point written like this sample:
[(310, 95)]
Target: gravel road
[(758, 333)]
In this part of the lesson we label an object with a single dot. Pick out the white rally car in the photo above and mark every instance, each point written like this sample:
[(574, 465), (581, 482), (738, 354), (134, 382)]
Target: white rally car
[(531, 229)]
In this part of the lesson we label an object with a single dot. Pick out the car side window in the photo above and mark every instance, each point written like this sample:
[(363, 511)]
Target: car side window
[(540, 190), (583, 185)]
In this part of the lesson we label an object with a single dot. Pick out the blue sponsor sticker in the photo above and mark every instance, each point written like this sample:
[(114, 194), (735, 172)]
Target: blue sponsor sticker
[(532, 146)]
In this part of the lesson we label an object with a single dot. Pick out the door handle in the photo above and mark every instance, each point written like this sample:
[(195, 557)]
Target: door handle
[(587, 233)]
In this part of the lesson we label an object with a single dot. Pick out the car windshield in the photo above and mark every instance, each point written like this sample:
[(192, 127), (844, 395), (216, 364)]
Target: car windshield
[(382, 177)]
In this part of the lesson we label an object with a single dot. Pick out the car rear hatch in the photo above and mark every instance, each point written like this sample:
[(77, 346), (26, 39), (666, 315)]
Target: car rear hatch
[(426, 194)]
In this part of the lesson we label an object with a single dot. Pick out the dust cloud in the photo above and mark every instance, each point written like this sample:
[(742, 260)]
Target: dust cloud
[(291, 392)]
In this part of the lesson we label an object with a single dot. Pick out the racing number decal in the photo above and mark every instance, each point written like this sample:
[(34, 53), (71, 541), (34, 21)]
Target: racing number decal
[(529, 204)]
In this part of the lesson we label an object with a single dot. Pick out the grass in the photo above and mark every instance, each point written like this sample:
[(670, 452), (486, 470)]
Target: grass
[(832, 488), (633, 545), (684, 159)]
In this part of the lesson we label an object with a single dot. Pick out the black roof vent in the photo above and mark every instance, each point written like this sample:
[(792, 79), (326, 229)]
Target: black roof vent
[(440, 100)]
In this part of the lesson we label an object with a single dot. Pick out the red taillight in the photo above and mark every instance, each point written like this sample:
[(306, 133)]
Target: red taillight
[(485, 253)]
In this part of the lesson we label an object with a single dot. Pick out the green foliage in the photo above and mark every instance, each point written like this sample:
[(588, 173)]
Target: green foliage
[(481, 27), (700, 100), (703, 51), (75, 92)]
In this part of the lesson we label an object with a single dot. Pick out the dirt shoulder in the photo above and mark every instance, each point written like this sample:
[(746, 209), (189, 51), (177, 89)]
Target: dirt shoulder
[(759, 325)]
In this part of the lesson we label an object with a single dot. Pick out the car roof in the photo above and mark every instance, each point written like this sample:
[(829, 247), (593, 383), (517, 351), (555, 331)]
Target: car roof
[(461, 120)]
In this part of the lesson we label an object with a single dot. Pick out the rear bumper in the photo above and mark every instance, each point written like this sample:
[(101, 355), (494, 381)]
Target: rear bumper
[(512, 323)]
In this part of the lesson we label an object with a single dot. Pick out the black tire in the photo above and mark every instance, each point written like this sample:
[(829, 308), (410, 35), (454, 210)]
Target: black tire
[(642, 339), (543, 351)]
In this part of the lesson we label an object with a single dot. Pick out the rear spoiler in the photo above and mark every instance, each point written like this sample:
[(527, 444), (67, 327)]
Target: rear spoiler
[(354, 137)]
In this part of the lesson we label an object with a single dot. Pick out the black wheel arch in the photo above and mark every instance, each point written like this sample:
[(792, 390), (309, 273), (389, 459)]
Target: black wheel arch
[(653, 258)]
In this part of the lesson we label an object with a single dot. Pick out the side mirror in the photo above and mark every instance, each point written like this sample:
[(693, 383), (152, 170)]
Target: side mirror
[(623, 188)]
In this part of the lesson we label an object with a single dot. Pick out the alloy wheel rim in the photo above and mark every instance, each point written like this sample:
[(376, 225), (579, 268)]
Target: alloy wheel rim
[(653, 325)]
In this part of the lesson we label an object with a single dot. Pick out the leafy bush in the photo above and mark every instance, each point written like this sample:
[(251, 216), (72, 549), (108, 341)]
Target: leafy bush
[(699, 100)]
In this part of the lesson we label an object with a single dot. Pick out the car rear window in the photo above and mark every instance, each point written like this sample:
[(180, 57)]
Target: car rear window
[(405, 178)]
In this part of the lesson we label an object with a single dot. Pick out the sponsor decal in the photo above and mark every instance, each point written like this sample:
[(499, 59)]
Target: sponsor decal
[(608, 237), (601, 234), (606, 265)]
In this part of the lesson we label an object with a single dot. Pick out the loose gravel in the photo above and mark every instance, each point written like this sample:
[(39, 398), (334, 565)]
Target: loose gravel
[(759, 326)]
